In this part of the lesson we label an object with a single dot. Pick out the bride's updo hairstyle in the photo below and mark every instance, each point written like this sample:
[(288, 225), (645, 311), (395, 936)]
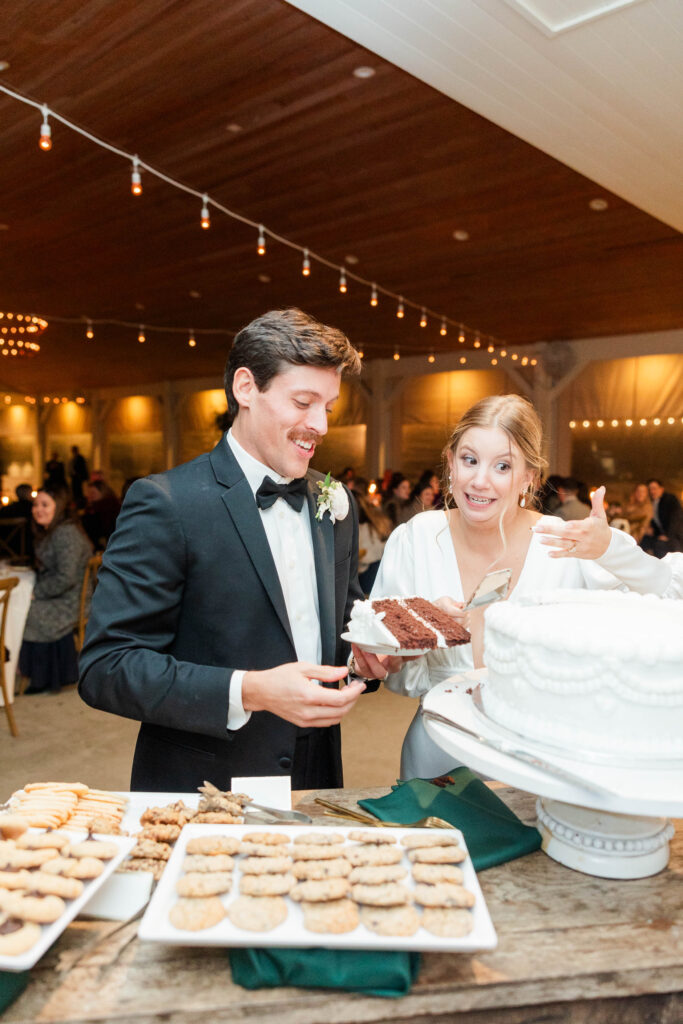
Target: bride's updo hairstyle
[(520, 421)]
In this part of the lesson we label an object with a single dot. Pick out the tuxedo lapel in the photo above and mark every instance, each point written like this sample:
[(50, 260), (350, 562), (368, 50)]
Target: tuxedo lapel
[(239, 501), (322, 534)]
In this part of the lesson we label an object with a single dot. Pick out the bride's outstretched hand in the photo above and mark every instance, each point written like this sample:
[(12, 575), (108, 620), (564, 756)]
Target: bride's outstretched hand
[(454, 608), (578, 538)]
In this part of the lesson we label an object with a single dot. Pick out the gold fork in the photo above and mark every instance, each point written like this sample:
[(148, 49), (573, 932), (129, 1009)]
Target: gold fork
[(338, 811)]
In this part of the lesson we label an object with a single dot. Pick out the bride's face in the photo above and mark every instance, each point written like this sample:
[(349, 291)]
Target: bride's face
[(488, 473)]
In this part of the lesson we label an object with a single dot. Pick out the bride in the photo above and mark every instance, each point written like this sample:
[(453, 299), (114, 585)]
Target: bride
[(493, 463)]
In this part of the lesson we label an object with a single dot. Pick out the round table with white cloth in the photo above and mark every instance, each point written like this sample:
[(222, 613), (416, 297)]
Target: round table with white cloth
[(19, 604)]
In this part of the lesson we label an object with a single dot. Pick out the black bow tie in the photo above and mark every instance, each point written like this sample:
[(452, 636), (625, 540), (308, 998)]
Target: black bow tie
[(293, 493)]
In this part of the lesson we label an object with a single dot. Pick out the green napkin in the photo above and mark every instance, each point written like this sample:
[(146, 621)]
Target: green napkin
[(381, 973), (492, 832), (11, 987)]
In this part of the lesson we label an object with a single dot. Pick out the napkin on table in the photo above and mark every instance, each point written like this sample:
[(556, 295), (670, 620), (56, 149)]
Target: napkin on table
[(11, 987), (493, 833)]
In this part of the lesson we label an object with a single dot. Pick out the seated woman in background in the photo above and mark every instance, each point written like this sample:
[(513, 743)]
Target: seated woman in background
[(398, 505), (494, 463), (639, 511), (422, 496), (62, 550)]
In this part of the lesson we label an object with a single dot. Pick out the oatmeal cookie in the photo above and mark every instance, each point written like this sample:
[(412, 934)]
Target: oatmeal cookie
[(200, 862), (319, 839), (440, 837), (433, 873), (399, 920), (265, 838), (257, 913), (371, 854), (372, 836), (197, 884), (265, 850), (196, 915), (172, 814), (160, 833), (152, 849), (447, 923), (152, 867), (315, 851), (217, 818), (437, 855), (213, 845), (443, 894), (376, 874), (390, 894), (314, 891), (319, 869), (266, 885), (334, 918), (265, 865)]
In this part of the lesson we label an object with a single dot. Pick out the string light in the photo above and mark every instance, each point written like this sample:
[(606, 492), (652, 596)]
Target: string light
[(400, 312), (431, 357), (463, 359), (423, 317), (525, 360), (306, 265), (45, 141), (643, 422), (141, 334), (533, 362), (461, 336), (342, 281), (443, 330), (205, 215), (397, 354), (90, 334), (477, 342), (491, 348), (192, 341), (503, 353), (629, 423), (135, 179), (361, 353), (514, 356), (494, 362), (261, 242), (615, 423)]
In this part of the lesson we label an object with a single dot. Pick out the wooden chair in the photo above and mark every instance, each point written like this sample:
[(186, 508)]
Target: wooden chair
[(6, 587), (87, 588)]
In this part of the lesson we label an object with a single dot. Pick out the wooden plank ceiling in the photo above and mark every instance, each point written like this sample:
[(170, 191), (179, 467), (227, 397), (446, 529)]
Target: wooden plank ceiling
[(257, 104)]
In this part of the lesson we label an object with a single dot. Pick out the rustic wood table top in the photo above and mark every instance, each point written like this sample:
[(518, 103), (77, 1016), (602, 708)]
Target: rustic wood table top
[(572, 948)]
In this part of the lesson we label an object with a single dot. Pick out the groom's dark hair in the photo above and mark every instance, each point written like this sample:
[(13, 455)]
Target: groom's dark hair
[(286, 337)]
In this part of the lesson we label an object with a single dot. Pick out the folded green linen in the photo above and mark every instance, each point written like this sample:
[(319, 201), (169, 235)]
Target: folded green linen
[(11, 987), (493, 833), (380, 973)]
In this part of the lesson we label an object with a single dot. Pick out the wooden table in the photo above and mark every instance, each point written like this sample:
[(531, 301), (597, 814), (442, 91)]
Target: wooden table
[(572, 948)]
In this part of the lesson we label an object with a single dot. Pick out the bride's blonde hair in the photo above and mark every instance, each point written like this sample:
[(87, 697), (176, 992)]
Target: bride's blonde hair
[(518, 418)]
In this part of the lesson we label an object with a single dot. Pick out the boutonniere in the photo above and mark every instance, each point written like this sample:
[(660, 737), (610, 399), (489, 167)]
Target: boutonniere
[(332, 499)]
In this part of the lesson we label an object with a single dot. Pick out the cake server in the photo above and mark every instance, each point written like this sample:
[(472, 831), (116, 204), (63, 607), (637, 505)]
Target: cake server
[(493, 587), (252, 812), (519, 754)]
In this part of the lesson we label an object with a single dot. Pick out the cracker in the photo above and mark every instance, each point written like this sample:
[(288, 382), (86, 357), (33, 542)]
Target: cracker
[(257, 913), (444, 894), (212, 845), (17, 936), (447, 923), (265, 865), (196, 915), (334, 918), (315, 891), (265, 838), (377, 874), (433, 873), (266, 885), (200, 862), (160, 833), (150, 848), (390, 894), (197, 884), (368, 854), (372, 836), (437, 855), (418, 841), (318, 869), (400, 920), (319, 839)]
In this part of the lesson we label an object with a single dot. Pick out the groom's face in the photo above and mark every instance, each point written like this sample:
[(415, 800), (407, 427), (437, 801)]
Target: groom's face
[(282, 425)]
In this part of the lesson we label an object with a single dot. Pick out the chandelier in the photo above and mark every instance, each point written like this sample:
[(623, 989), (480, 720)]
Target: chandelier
[(18, 332)]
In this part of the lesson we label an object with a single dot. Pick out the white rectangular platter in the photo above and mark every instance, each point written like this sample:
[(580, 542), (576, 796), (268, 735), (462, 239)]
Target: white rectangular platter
[(155, 925), (51, 932)]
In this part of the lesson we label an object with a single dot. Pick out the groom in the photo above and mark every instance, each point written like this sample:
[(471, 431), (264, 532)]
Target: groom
[(228, 581)]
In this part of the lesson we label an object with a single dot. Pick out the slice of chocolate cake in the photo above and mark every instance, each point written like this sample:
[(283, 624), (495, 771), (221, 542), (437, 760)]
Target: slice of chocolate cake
[(451, 630), (410, 633)]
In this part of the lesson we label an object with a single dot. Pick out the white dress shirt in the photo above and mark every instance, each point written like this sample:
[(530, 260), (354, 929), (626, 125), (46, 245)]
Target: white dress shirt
[(291, 545)]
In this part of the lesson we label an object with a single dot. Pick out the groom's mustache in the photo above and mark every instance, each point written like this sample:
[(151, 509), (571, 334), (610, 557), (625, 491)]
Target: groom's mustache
[(306, 435)]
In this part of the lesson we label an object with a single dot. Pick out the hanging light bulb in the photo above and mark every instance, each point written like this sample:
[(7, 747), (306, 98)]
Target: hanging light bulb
[(461, 335), (306, 265), (431, 357), (423, 318), (361, 353), (443, 330), (491, 347), (90, 334), (514, 356), (400, 312), (494, 361), (503, 353), (533, 362), (342, 281), (45, 141), (192, 341), (205, 215), (373, 296), (141, 334), (135, 179), (397, 354), (477, 342), (261, 243), (463, 359)]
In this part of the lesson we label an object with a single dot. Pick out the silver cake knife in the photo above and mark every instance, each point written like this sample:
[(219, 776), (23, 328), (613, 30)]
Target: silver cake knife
[(519, 754)]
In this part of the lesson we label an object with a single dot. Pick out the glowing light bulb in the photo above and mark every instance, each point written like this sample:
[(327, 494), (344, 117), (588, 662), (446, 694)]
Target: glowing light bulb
[(461, 336), (615, 423), (586, 423), (657, 421), (490, 348), (477, 343), (261, 242), (443, 330), (599, 423), (90, 334), (629, 423), (463, 359), (525, 360), (514, 356), (494, 362), (670, 420), (400, 312), (643, 422), (534, 362), (192, 341), (342, 281), (135, 179), (397, 354), (373, 296), (572, 424), (361, 353), (503, 353), (45, 141), (141, 335), (423, 318), (306, 265), (205, 215), (431, 357)]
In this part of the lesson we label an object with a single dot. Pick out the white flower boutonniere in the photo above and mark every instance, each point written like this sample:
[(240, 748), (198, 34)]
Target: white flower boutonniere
[(332, 499)]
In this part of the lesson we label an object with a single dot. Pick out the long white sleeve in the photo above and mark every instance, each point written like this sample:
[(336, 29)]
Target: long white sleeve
[(642, 572)]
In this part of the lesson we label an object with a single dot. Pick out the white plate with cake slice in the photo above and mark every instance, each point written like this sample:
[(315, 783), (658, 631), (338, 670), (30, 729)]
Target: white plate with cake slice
[(385, 648)]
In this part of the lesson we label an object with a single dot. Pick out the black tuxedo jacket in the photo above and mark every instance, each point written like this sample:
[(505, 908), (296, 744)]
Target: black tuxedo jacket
[(188, 592)]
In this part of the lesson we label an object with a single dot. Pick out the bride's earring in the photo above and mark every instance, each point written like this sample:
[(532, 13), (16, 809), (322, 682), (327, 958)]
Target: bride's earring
[(522, 502)]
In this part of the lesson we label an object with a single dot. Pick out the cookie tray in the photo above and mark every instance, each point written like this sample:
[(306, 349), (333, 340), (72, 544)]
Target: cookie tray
[(51, 932), (156, 926)]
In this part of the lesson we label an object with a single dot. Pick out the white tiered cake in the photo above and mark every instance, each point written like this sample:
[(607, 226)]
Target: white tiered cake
[(588, 670)]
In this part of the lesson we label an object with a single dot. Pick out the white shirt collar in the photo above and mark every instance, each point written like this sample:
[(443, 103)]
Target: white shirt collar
[(251, 467)]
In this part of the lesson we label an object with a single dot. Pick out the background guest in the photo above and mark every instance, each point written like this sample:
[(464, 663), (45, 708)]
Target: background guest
[(101, 510), (62, 550), (571, 507), (55, 474), (398, 505), (639, 511), (22, 508), (422, 495), (665, 532), (78, 474), (548, 495)]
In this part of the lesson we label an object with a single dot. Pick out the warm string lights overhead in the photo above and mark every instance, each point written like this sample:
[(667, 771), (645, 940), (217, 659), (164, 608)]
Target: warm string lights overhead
[(18, 332), (142, 330), (138, 166), (643, 421)]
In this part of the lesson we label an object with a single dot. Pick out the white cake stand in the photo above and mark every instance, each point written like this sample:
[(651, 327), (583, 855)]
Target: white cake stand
[(614, 826)]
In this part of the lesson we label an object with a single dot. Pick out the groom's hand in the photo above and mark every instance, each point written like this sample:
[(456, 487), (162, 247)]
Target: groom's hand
[(290, 692)]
